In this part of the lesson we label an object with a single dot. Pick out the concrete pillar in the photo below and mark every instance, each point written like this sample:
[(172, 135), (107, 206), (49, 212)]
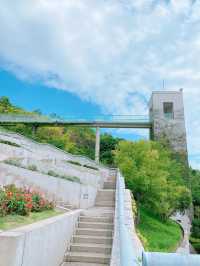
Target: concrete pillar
[(34, 129), (97, 146)]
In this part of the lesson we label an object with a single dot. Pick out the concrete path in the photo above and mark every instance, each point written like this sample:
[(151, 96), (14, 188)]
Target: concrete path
[(92, 242), (185, 223)]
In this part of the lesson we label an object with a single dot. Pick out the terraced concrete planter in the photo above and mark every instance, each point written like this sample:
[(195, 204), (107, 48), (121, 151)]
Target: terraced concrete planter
[(75, 194), (43, 243)]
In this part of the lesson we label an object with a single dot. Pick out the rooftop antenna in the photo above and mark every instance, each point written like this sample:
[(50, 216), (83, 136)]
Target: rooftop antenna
[(163, 84)]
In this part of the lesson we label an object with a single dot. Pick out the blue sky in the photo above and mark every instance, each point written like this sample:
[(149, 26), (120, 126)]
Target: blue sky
[(94, 56), (33, 96)]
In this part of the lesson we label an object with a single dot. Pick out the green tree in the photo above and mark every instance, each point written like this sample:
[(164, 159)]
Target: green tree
[(108, 146), (154, 178)]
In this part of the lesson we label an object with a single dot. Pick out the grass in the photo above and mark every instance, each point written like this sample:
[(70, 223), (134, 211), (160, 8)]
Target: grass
[(157, 235), (9, 143), (14, 221)]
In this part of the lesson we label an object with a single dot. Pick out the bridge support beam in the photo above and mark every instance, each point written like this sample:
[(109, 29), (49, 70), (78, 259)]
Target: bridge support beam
[(97, 145), (34, 129)]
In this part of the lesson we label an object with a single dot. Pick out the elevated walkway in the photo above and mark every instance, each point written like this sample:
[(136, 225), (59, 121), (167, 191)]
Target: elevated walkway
[(104, 121)]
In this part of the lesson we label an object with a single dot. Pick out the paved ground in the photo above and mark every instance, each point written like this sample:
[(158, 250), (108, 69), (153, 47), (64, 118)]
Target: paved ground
[(185, 223), (80, 264)]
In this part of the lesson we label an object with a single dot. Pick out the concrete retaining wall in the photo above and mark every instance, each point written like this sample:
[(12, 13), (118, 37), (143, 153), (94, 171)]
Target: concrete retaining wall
[(73, 193), (87, 176), (43, 243)]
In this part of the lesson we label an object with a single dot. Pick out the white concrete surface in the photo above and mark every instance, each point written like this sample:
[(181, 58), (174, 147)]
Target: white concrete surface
[(129, 218), (72, 193), (42, 150), (40, 244), (137, 244), (87, 176)]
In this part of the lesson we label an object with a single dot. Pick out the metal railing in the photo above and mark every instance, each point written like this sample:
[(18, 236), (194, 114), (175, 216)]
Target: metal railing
[(30, 118), (127, 257)]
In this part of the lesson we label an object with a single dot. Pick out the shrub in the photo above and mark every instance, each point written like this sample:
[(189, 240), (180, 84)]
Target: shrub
[(195, 243), (91, 167), (9, 143), (52, 173), (14, 162), (72, 178), (20, 201), (3, 206), (74, 162), (151, 174), (195, 231), (32, 167)]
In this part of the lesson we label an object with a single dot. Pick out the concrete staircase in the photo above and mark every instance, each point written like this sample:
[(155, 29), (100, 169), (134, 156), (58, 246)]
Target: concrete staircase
[(92, 242)]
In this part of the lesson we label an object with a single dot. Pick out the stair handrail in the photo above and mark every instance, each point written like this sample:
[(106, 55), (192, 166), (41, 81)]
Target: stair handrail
[(127, 257)]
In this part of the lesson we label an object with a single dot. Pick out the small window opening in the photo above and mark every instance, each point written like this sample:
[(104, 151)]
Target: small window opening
[(168, 109)]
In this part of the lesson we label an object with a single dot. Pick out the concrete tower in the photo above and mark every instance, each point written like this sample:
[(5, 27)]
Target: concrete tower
[(167, 116)]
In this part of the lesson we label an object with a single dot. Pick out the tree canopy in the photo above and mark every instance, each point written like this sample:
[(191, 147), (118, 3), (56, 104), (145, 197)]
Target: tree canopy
[(153, 176)]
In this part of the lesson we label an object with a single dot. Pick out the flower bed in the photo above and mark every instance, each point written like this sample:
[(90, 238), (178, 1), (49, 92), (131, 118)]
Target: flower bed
[(22, 201)]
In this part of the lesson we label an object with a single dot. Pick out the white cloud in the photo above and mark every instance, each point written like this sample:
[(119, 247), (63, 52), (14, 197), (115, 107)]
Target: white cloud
[(111, 52)]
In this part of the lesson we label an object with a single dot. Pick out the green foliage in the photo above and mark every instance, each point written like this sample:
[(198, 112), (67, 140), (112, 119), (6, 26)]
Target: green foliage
[(195, 231), (158, 235), (74, 162), (7, 107), (195, 243), (153, 176), (85, 165), (195, 187), (108, 146), (69, 178), (13, 221), (32, 167), (13, 161), (19, 201), (91, 167), (9, 143), (76, 140)]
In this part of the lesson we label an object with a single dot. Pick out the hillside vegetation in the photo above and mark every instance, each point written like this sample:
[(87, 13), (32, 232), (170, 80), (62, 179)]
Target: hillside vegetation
[(153, 174), (76, 140), (195, 187), (157, 235), (154, 177)]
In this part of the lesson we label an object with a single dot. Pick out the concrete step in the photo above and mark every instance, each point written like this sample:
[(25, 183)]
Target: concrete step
[(99, 211), (92, 239), (109, 185), (91, 248), (108, 226), (105, 198), (96, 219), (88, 257), (105, 203), (94, 232), (106, 192)]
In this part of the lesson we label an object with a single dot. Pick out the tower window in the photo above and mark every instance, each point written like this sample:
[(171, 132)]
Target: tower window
[(168, 110)]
